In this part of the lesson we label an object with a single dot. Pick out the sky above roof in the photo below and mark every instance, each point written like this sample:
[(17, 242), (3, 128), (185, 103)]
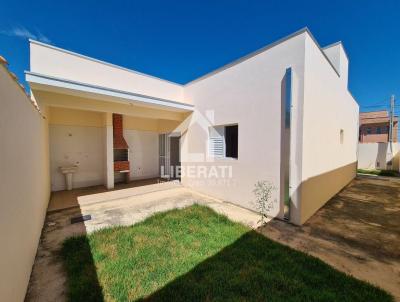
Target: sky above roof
[(181, 41)]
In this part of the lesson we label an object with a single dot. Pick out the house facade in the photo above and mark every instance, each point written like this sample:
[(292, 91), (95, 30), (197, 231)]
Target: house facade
[(282, 114), (374, 127)]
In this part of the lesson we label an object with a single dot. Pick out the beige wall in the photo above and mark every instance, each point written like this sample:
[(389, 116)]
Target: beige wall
[(327, 162), (24, 186), (78, 137), (317, 190), (150, 124), (55, 62), (71, 117), (53, 99)]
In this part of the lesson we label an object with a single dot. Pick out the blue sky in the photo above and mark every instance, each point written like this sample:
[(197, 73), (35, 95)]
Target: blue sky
[(182, 40)]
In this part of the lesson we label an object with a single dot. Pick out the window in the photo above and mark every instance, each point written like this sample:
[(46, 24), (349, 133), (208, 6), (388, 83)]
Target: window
[(231, 141), (223, 141), (368, 130), (341, 136), (378, 130)]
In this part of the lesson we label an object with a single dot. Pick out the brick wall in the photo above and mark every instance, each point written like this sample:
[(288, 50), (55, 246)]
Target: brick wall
[(119, 141), (121, 165)]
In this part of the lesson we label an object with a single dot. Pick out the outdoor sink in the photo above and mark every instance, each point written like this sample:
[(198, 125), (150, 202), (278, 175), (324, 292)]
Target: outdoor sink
[(68, 171)]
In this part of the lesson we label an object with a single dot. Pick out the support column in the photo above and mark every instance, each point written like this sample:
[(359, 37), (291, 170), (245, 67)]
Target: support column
[(109, 151)]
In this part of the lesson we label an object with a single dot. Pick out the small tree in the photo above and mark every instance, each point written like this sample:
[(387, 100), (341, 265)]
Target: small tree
[(264, 203)]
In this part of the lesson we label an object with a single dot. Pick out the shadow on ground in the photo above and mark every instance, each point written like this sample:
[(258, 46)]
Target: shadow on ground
[(357, 231), (257, 269), (134, 264)]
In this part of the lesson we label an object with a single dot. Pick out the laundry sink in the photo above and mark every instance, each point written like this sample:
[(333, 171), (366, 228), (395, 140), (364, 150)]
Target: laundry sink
[(68, 171)]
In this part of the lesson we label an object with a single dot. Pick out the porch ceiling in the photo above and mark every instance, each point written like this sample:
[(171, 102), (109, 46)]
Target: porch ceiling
[(39, 82)]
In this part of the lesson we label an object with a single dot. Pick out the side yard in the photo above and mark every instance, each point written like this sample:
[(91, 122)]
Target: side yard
[(357, 232)]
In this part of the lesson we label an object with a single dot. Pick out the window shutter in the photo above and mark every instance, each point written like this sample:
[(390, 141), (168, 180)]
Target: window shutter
[(217, 147), (217, 142)]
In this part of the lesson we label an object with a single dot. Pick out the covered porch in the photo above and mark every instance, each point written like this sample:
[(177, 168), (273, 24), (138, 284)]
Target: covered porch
[(115, 139)]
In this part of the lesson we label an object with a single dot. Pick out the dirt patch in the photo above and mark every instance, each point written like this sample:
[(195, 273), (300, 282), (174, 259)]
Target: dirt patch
[(357, 231)]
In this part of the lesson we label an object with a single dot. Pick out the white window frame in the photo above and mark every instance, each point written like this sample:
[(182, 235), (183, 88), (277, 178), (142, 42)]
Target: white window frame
[(216, 135)]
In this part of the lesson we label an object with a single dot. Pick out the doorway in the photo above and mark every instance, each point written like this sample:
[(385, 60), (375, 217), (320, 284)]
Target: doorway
[(170, 160), (175, 159)]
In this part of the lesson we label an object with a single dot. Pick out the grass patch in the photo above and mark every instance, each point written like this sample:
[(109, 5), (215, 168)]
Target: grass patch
[(379, 172), (195, 254)]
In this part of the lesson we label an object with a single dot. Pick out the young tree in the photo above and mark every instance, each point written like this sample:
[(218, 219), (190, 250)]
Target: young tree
[(264, 203)]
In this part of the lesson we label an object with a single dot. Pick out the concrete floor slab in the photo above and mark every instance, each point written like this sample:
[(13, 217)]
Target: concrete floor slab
[(66, 199)]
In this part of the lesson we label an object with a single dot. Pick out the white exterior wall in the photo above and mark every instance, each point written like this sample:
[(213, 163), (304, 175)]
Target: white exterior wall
[(24, 186), (337, 55), (77, 145), (369, 155), (55, 62), (143, 153), (247, 94), (328, 108)]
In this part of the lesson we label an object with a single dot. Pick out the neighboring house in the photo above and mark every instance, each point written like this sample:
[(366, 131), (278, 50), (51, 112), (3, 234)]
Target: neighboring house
[(281, 114), (374, 127), (375, 151)]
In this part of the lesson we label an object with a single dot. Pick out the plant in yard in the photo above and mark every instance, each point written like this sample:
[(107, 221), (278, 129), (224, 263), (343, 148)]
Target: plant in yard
[(264, 203), (195, 254)]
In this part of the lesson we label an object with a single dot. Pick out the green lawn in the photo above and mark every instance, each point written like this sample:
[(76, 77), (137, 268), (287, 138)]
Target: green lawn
[(194, 254), (379, 172)]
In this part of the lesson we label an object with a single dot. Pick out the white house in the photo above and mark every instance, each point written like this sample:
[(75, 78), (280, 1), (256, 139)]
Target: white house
[(281, 114)]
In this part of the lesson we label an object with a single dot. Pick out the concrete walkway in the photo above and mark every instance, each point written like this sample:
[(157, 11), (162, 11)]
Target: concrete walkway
[(111, 208)]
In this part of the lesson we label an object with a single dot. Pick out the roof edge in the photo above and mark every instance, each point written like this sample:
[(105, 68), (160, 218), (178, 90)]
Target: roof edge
[(337, 43), (249, 56), (100, 61), (168, 102), (211, 73), (261, 50)]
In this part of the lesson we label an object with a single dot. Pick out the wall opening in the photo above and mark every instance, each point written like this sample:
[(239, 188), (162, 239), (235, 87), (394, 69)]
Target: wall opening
[(286, 134), (341, 136), (224, 141), (231, 141)]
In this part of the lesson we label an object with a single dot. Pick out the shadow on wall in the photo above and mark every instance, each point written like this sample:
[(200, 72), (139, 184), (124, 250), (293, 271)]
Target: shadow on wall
[(381, 161), (318, 190), (375, 156), (396, 161)]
